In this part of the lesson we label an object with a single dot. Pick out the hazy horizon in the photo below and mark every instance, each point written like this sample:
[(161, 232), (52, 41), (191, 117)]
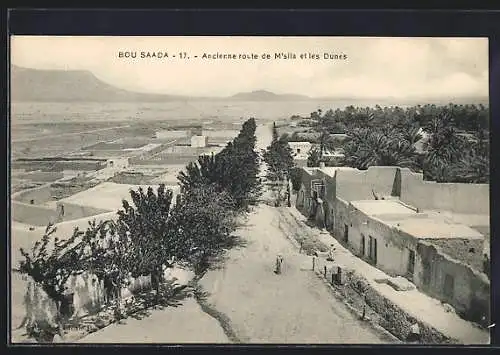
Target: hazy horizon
[(375, 68)]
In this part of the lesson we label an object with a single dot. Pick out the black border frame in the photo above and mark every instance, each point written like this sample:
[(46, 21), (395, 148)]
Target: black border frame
[(277, 22)]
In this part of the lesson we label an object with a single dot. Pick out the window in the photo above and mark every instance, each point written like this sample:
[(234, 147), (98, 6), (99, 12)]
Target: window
[(346, 233)]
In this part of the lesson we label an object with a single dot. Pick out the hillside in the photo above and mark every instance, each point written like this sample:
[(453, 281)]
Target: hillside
[(67, 86), (64, 86), (82, 86)]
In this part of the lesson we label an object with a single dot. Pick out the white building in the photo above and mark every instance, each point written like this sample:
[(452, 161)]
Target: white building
[(199, 141)]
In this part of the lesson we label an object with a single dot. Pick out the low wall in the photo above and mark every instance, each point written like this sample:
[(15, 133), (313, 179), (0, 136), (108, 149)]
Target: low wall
[(58, 165), (173, 160), (469, 293), (394, 319), (454, 197), (88, 293), (41, 176), (32, 214), (73, 211), (39, 195)]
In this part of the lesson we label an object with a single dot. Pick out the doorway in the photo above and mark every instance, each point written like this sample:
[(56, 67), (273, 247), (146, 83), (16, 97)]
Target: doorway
[(411, 263), (372, 249), (363, 245)]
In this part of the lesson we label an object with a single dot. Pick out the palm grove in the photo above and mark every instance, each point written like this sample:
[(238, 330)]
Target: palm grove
[(155, 229), (447, 143)]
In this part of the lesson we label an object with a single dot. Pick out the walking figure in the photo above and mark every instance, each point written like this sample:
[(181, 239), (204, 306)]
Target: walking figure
[(279, 262)]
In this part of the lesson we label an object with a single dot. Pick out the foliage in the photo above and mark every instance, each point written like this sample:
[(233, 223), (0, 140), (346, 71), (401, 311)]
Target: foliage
[(296, 178), (279, 160), (207, 170), (146, 228), (368, 147), (448, 143), (278, 157), (203, 221), (313, 157), (234, 169), (53, 261)]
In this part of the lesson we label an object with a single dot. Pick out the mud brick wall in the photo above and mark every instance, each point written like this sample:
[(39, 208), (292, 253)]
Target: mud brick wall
[(468, 290)]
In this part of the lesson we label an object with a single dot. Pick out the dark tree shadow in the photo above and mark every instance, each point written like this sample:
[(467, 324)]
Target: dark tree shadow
[(233, 242)]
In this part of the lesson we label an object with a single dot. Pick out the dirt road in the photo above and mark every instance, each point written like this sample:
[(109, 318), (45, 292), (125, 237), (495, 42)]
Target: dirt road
[(294, 307)]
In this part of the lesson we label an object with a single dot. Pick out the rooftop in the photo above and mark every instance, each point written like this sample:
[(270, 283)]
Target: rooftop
[(463, 218), (418, 225), (379, 208), (435, 229), (331, 170)]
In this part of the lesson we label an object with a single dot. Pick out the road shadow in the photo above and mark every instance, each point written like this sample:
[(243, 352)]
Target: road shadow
[(234, 242), (202, 298), (170, 294)]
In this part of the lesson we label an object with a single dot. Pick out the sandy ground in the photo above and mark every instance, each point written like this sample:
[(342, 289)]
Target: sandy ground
[(184, 324), (294, 307)]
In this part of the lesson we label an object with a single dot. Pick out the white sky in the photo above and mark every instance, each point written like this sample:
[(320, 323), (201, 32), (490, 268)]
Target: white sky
[(375, 67)]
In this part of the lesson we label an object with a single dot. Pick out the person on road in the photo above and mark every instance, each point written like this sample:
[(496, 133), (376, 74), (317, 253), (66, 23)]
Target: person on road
[(279, 262), (331, 253)]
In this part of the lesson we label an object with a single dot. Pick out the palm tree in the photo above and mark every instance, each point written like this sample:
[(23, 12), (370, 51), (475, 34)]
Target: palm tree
[(376, 148)]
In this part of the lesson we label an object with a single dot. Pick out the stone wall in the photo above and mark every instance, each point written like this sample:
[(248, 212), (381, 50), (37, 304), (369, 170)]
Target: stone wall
[(453, 282)]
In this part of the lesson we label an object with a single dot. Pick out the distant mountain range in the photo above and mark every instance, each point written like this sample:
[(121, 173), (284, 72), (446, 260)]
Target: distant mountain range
[(82, 86)]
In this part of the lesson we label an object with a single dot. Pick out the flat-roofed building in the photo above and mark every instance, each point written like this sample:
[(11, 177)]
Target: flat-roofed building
[(431, 233)]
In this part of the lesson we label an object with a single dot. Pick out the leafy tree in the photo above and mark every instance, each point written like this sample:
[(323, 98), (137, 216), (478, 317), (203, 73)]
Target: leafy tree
[(368, 147), (147, 224), (279, 159), (52, 262), (203, 221), (241, 167), (234, 169), (313, 157), (296, 178), (207, 170)]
